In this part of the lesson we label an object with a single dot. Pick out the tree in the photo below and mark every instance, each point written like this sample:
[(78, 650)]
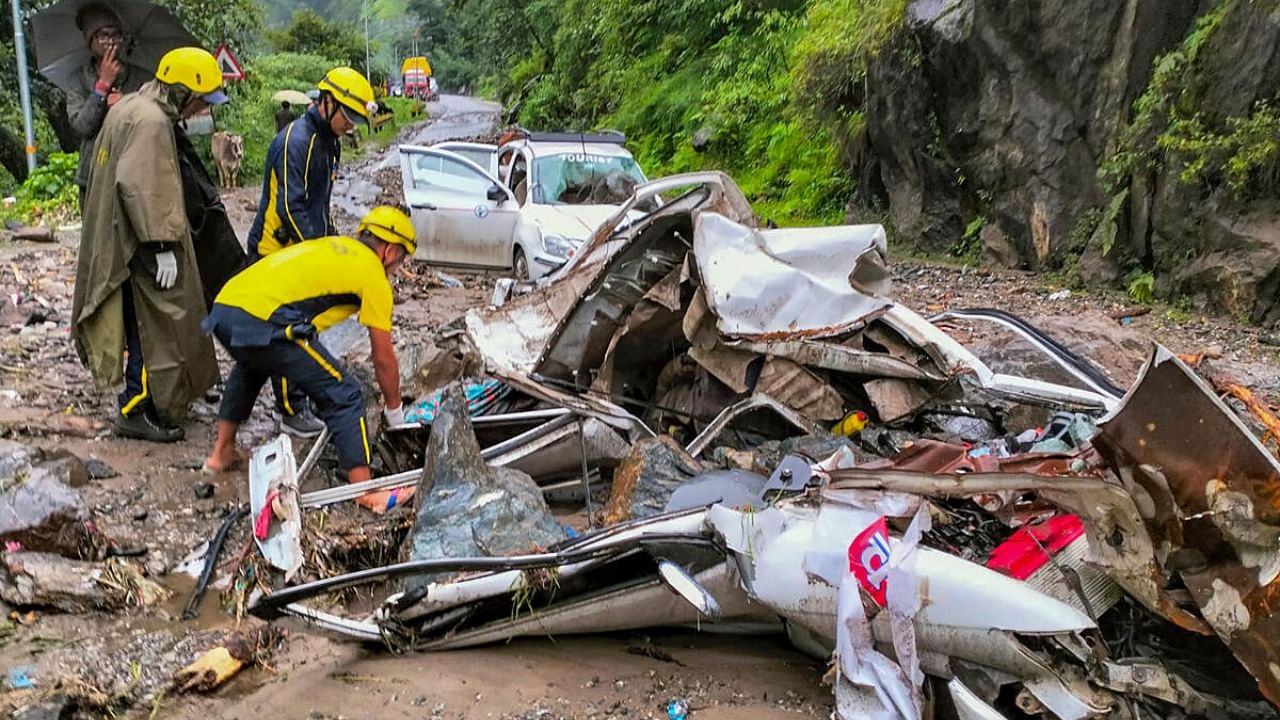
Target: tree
[(211, 21), (310, 34)]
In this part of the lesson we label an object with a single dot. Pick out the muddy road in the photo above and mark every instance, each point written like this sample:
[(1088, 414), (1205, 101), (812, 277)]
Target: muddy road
[(158, 500), (155, 502)]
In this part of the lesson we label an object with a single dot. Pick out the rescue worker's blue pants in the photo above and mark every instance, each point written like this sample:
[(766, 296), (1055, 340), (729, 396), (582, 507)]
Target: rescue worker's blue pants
[(310, 368), (136, 396), (289, 400)]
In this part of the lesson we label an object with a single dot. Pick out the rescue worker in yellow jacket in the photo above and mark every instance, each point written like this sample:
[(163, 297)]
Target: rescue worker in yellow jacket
[(302, 164), (267, 318)]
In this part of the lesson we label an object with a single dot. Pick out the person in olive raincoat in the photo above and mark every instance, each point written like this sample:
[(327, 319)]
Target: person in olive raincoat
[(138, 299)]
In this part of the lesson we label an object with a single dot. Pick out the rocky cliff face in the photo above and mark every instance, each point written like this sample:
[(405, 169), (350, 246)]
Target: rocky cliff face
[(1048, 123)]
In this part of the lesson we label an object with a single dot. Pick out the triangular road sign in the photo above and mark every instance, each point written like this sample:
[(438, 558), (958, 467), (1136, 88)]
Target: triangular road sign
[(231, 68)]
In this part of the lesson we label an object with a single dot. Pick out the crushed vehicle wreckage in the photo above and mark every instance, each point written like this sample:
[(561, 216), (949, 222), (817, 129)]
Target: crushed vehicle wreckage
[(786, 449)]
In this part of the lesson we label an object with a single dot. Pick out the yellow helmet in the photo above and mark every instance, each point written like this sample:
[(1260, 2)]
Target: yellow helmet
[(193, 68), (390, 225), (350, 88)]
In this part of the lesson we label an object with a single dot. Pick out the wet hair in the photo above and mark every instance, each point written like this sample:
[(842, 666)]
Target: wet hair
[(284, 104)]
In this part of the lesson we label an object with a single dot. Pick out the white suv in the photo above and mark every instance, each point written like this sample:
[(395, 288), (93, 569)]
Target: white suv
[(525, 207)]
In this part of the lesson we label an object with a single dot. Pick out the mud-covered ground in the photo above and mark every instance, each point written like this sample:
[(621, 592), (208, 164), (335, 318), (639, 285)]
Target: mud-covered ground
[(47, 399)]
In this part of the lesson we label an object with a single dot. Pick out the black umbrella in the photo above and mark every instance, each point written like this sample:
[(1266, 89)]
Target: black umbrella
[(61, 50)]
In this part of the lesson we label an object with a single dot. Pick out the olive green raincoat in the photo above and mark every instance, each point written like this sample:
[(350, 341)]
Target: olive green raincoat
[(134, 209)]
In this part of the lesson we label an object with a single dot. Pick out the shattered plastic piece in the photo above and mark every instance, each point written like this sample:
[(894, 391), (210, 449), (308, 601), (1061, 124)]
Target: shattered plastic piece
[(210, 670), (677, 710), (448, 281), (467, 508), (482, 398), (273, 505), (646, 479), (19, 678)]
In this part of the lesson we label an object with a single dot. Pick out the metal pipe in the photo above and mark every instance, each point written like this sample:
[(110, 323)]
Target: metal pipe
[(270, 606), (330, 496), (313, 455), (24, 86), (586, 475), (366, 44)]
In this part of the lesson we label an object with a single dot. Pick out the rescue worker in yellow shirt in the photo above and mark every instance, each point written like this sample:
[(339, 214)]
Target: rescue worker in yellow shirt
[(302, 163), (267, 318)]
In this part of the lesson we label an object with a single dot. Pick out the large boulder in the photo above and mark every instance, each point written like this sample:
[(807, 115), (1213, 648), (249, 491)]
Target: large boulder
[(647, 477), (465, 508), (1008, 111), (41, 512)]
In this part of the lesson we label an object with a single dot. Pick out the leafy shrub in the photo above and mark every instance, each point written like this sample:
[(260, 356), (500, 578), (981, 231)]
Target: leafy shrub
[(251, 112), (969, 246), (1142, 287), (49, 194)]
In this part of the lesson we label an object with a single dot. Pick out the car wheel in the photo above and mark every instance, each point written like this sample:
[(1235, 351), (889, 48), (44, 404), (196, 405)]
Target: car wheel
[(521, 265)]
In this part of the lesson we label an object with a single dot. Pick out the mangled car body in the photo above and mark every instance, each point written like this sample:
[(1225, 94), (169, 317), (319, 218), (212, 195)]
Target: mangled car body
[(976, 545)]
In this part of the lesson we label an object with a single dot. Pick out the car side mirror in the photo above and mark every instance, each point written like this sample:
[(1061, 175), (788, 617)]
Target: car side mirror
[(495, 193)]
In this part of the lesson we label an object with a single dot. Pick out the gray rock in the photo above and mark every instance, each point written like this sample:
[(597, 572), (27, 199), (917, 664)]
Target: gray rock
[(646, 479), (467, 508), (63, 467), (703, 138), (99, 470), (997, 249), (34, 579), (43, 513), (16, 457)]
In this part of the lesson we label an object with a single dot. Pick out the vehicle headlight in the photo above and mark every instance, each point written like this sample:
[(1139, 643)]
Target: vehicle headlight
[(558, 245)]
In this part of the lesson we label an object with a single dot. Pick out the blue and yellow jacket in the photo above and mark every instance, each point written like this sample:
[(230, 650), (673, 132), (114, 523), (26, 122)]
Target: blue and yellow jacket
[(302, 163)]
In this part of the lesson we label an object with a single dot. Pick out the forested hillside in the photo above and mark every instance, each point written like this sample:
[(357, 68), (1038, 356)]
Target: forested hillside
[(1121, 142)]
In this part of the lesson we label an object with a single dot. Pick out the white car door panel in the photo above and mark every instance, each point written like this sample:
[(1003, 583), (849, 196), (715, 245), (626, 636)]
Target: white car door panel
[(454, 210)]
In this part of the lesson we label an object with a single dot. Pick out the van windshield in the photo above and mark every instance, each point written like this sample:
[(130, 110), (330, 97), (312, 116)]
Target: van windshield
[(586, 179)]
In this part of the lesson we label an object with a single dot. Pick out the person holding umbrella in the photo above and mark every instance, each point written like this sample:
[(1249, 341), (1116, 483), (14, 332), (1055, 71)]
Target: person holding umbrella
[(102, 80), (284, 115), (139, 300)]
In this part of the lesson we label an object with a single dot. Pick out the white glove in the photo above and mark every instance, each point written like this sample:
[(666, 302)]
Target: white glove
[(166, 269), (392, 417)]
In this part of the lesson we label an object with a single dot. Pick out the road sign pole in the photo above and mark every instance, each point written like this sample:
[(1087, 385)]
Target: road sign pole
[(24, 86)]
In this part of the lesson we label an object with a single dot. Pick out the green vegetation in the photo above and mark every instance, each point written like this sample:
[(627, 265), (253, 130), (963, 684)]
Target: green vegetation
[(1141, 287), (49, 194), (310, 34), (1172, 127), (969, 246), (765, 88), (251, 112)]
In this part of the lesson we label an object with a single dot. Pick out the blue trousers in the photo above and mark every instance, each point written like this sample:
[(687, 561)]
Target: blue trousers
[(136, 396), (309, 368)]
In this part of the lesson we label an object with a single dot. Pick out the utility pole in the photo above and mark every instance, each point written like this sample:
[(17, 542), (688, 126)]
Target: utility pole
[(24, 86), (366, 41)]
